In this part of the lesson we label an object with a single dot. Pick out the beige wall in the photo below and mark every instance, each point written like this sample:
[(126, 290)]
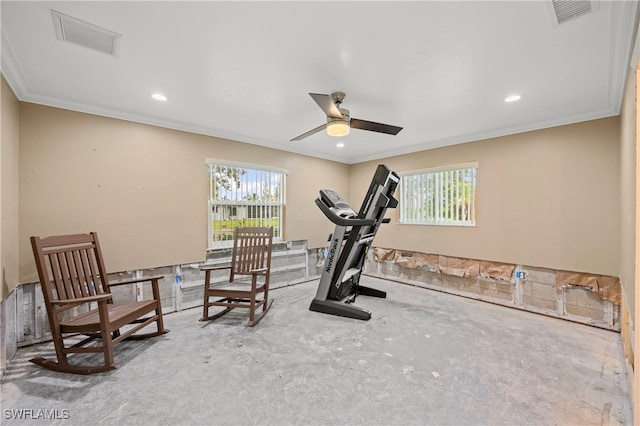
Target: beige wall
[(635, 386), (9, 185), (548, 198), (143, 188), (628, 192)]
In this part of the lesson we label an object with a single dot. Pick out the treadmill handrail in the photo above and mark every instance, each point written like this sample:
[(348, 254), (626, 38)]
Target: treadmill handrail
[(343, 221)]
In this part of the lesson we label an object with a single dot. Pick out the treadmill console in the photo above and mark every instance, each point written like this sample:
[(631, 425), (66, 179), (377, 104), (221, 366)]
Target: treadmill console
[(336, 203)]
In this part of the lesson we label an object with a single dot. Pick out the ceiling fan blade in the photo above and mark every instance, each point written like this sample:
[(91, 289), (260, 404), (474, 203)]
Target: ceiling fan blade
[(309, 133), (327, 105), (374, 127)]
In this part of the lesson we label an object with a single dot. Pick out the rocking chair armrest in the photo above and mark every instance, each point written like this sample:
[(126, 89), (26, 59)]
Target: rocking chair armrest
[(96, 298), (213, 268), (254, 276), (138, 280), (155, 288)]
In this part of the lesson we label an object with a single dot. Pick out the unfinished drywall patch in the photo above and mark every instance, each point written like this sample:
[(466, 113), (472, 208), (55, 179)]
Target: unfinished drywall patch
[(581, 297), (606, 287), (454, 266)]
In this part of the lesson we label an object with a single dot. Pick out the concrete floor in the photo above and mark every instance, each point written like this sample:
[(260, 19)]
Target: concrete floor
[(424, 358)]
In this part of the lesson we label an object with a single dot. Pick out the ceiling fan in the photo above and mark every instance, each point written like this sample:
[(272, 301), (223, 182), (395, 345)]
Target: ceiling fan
[(339, 122)]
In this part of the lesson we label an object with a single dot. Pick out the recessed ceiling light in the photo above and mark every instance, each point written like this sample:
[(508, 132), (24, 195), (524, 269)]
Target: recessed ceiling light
[(340, 145), (159, 97), (512, 98)]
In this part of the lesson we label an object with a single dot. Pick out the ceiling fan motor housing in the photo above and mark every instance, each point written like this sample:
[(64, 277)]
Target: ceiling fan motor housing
[(345, 117), (337, 97)]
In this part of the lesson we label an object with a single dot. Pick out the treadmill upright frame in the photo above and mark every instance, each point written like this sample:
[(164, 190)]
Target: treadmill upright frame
[(349, 244)]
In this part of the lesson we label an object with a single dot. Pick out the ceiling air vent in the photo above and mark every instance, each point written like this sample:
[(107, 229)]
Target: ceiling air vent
[(568, 10), (85, 34)]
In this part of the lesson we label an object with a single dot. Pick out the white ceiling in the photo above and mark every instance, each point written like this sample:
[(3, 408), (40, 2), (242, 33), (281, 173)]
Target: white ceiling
[(243, 70)]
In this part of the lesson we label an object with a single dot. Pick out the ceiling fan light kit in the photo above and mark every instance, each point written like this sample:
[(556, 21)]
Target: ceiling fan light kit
[(337, 128), (339, 122)]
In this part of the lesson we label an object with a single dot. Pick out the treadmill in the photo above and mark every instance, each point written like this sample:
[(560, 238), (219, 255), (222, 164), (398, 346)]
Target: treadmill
[(349, 244)]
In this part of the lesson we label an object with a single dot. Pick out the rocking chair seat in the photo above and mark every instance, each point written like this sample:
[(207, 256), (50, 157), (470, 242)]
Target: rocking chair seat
[(119, 316), (240, 287)]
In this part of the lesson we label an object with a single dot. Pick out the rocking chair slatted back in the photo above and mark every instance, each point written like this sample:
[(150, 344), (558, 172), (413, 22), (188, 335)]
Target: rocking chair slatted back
[(250, 251), (71, 264)]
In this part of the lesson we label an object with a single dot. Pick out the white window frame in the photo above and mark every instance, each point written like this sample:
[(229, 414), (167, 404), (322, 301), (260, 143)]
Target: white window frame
[(427, 195), (247, 212)]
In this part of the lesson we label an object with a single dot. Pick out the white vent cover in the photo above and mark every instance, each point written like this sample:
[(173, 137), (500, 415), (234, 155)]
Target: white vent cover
[(85, 34), (568, 10)]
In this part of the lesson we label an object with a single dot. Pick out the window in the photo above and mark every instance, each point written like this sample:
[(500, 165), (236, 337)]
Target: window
[(243, 195), (439, 196)]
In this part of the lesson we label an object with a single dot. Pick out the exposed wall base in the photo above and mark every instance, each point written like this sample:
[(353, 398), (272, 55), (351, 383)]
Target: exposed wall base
[(627, 331), (8, 326), (584, 298)]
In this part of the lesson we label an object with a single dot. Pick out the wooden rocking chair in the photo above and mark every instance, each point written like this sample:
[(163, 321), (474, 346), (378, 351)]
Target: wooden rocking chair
[(79, 302), (251, 260)]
